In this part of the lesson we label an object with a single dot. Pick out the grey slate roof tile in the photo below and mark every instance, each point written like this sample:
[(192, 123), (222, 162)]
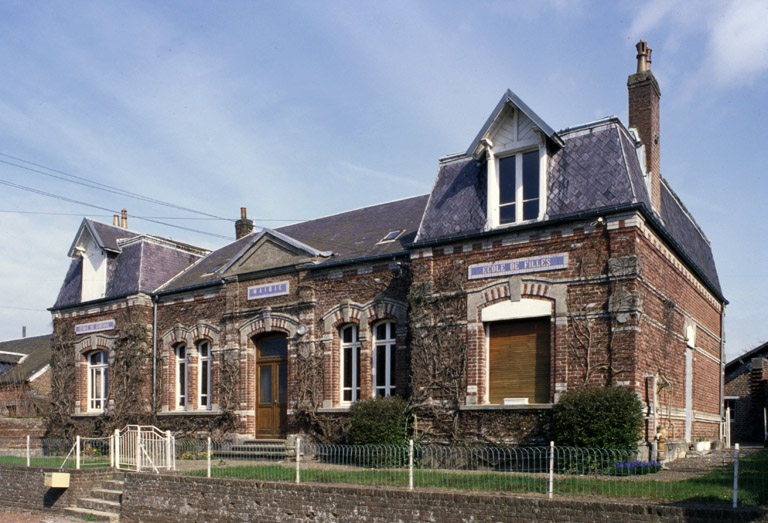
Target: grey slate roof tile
[(350, 235)]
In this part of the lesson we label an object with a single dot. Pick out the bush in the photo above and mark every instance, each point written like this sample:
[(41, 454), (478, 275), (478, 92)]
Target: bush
[(607, 417), (380, 421)]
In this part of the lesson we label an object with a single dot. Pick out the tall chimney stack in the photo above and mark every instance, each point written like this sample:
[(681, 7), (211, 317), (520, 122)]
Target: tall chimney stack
[(644, 96), (124, 219), (243, 226)]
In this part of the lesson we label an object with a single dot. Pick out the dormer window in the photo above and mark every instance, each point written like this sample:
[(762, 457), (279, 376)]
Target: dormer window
[(519, 187)]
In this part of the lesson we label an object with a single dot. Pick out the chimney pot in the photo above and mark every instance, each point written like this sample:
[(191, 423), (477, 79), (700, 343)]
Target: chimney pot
[(243, 226), (643, 57), (124, 219), (116, 220), (23, 331)]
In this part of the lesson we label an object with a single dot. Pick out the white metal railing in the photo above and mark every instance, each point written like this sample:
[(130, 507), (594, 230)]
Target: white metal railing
[(143, 447)]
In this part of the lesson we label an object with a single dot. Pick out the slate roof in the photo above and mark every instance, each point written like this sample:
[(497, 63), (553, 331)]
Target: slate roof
[(38, 350), (597, 168), (347, 236), (137, 263)]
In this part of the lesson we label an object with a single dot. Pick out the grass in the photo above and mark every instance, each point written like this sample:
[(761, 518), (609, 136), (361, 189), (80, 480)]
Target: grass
[(54, 461), (715, 486)]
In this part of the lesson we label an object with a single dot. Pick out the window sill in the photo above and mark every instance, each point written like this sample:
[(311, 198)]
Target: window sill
[(191, 413), (89, 414), (530, 406), (332, 410)]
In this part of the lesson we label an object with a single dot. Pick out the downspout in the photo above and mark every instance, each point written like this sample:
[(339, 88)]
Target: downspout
[(154, 355), (722, 369)]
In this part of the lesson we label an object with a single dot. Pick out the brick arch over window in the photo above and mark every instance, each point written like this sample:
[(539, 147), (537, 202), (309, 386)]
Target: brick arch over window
[(496, 311), (95, 342), (267, 321), (364, 314), (191, 335)]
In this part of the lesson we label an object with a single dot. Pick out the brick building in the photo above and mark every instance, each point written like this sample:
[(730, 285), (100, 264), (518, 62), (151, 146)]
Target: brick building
[(25, 378), (541, 261), (746, 394)]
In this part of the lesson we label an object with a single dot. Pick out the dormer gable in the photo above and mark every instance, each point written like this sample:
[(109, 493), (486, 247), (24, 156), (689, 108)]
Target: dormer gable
[(94, 243), (514, 142), (270, 249)]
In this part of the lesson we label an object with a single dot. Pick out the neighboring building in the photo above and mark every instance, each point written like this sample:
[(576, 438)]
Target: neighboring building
[(746, 394), (542, 261), (25, 377)]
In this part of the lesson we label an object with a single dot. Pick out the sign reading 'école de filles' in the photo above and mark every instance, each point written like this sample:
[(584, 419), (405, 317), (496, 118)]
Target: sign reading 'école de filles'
[(268, 290), (547, 262), (96, 326)]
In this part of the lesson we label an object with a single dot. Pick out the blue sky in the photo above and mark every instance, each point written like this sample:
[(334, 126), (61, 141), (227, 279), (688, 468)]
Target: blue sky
[(302, 109)]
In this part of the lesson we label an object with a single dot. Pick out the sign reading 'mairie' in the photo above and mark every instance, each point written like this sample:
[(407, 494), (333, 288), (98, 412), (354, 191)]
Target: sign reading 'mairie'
[(96, 326), (268, 290), (548, 262)]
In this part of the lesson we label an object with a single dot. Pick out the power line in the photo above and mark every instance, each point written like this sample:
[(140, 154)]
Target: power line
[(22, 308), (71, 200), (100, 186), (42, 213)]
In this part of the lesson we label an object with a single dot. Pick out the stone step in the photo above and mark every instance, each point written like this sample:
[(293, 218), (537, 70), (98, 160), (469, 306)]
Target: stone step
[(91, 515), (108, 494), (113, 484), (100, 505)]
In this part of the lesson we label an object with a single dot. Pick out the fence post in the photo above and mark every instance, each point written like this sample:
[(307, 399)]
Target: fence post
[(298, 459), (27, 449), (736, 478), (117, 449), (208, 456), (410, 464), (77, 452), (170, 450), (551, 468), (138, 450)]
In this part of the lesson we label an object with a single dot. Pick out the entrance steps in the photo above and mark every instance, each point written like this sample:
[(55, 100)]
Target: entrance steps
[(265, 449), (102, 503)]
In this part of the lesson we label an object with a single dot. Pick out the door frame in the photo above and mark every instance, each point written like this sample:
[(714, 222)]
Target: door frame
[(279, 411)]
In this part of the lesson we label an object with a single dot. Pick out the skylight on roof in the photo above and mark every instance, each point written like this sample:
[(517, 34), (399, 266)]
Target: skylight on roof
[(213, 270), (391, 236)]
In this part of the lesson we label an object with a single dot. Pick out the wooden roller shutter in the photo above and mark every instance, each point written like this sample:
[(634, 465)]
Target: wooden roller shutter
[(519, 361)]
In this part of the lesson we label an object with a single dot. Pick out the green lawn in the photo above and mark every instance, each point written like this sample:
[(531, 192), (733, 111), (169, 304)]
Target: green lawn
[(55, 461), (713, 486)]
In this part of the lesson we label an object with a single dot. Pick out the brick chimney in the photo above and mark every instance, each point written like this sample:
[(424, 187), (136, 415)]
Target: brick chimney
[(243, 226), (644, 96)]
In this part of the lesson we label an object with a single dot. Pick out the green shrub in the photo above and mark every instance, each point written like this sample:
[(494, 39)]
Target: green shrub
[(606, 417), (380, 421)]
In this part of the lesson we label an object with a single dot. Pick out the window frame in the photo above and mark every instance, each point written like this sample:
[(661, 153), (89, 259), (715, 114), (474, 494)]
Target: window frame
[(102, 366), (355, 348), (494, 159), (389, 345), (178, 362), (204, 376)]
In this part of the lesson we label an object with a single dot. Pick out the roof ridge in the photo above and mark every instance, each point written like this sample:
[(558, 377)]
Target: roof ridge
[(352, 210)]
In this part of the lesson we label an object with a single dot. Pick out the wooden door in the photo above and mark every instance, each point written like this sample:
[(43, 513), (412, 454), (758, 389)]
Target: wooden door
[(271, 386)]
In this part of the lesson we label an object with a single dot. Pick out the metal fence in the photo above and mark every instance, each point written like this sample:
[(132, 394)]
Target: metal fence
[(727, 478)]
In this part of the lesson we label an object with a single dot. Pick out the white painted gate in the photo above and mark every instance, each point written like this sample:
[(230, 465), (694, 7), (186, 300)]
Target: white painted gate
[(139, 447)]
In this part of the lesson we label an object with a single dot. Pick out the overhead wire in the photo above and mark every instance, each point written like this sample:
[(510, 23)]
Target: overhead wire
[(94, 206)]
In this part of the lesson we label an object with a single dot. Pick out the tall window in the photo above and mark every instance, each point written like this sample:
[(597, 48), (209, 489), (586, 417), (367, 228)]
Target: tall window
[(384, 359), (204, 375), (519, 187), (350, 363), (98, 378), (181, 377)]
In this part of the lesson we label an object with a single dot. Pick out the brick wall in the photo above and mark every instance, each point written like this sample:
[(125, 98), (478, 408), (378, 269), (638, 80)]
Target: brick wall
[(171, 498), (24, 488)]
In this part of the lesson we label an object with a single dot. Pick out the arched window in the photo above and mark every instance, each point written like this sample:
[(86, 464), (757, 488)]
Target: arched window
[(204, 375), (98, 380), (384, 363), (350, 363), (181, 377)]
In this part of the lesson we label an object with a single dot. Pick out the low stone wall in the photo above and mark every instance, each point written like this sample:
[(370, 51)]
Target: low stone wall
[(24, 488), (19, 428), (149, 497)]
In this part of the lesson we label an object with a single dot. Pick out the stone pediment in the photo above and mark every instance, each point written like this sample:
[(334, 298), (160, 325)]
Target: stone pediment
[(271, 250)]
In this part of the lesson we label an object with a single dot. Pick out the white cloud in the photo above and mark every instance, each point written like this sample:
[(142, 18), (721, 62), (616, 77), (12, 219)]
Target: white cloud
[(739, 42)]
